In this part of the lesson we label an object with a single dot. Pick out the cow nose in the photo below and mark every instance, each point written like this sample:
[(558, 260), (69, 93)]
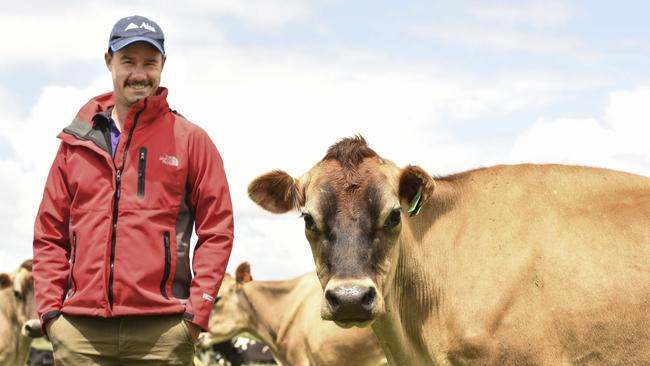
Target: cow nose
[(32, 328), (351, 303)]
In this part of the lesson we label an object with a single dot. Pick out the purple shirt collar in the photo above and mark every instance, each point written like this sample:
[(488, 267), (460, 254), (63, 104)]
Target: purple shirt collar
[(115, 135)]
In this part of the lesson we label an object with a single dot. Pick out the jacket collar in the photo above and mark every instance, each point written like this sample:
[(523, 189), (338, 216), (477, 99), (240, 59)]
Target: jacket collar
[(91, 121), (150, 108)]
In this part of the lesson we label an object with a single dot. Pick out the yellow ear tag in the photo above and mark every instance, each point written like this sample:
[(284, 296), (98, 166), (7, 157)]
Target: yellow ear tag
[(416, 204)]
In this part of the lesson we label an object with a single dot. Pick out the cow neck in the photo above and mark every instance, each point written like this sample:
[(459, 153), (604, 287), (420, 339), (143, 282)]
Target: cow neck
[(268, 301), (417, 286)]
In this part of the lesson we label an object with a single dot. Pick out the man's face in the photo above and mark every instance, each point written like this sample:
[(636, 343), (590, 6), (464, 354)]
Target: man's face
[(136, 71)]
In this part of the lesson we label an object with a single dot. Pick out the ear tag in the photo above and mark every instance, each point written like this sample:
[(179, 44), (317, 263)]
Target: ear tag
[(416, 204)]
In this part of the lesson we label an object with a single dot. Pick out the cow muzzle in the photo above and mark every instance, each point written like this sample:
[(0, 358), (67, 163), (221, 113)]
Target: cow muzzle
[(32, 329), (351, 304)]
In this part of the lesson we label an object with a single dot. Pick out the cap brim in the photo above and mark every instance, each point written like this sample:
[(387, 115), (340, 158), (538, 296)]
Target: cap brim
[(116, 46)]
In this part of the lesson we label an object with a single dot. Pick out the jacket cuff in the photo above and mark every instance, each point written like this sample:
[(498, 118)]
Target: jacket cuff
[(45, 318), (202, 323)]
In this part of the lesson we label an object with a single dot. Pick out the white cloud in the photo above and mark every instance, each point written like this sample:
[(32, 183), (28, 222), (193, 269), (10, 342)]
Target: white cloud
[(34, 143), (274, 244), (539, 14), (56, 37), (498, 37), (529, 27), (60, 33), (619, 144), (577, 141), (258, 13), (63, 32), (8, 106), (628, 111)]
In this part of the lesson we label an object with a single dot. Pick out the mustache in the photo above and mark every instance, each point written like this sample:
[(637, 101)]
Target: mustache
[(138, 83)]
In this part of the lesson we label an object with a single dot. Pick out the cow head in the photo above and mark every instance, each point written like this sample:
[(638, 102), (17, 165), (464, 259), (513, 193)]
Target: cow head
[(21, 284), (229, 314), (353, 203)]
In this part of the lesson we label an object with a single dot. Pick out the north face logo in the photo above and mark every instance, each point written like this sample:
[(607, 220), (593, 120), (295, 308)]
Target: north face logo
[(144, 25), (169, 160)]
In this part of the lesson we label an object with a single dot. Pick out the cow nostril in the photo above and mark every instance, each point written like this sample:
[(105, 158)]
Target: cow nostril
[(332, 300), (369, 297)]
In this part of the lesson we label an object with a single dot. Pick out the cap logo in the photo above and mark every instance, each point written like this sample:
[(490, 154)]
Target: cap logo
[(144, 25)]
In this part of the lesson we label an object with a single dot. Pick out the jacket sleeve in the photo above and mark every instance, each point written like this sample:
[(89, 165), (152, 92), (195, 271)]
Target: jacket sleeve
[(210, 198), (51, 241)]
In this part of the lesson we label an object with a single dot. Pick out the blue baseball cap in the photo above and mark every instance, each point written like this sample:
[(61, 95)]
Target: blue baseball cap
[(136, 29)]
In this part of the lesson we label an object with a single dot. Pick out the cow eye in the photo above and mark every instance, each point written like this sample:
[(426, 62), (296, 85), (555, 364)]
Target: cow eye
[(18, 295), (393, 218), (310, 224)]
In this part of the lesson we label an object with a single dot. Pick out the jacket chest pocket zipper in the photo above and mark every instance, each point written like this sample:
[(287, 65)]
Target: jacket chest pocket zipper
[(168, 263), (142, 167)]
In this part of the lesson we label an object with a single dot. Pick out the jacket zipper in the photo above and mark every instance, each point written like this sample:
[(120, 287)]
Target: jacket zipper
[(142, 165), (73, 285), (118, 178), (168, 263)]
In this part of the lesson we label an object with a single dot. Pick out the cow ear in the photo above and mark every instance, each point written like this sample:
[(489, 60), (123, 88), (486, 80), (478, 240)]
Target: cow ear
[(276, 191), (415, 187), (243, 273), (5, 280), (27, 265)]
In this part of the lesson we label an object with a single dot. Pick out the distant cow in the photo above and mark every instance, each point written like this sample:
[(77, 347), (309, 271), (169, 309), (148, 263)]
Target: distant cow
[(508, 265), (16, 307), (285, 316), (40, 357), (236, 352)]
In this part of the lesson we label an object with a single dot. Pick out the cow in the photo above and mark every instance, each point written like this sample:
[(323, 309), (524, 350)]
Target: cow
[(505, 265), (238, 351), (285, 316), (17, 306)]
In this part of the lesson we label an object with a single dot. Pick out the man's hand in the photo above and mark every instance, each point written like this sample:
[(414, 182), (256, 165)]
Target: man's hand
[(195, 330)]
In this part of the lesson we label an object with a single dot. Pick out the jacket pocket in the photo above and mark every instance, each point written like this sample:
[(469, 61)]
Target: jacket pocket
[(168, 263), (142, 167)]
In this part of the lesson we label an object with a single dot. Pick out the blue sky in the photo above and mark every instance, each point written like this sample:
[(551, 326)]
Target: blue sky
[(445, 85)]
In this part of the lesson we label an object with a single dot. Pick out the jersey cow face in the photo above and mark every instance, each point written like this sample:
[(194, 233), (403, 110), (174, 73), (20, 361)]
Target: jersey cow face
[(353, 203), (21, 285)]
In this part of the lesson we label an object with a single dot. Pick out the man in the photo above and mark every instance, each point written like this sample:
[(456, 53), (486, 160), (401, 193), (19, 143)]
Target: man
[(111, 239)]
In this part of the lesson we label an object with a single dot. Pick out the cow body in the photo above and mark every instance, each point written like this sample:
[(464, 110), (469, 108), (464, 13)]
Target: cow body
[(16, 307), (509, 265), (285, 316)]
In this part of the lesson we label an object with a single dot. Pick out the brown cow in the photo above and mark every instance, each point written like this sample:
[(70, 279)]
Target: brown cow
[(16, 307), (285, 316), (509, 265)]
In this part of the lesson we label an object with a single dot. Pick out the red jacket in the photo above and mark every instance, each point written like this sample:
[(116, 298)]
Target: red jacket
[(112, 236)]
